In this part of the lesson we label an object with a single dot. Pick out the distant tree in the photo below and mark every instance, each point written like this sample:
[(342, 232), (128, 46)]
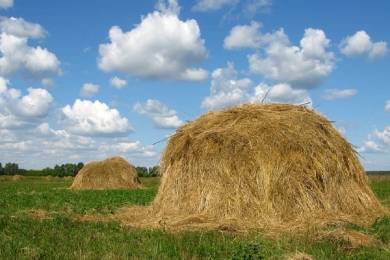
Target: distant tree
[(70, 169), (142, 171), (48, 171), (57, 170), (11, 169), (1, 169), (23, 172), (154, 171), (80, 165)]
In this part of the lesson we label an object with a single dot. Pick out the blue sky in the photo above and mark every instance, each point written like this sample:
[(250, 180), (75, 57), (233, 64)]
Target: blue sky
[(81, 81)]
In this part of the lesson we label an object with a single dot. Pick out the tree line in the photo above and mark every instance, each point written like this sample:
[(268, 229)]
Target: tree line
[(68, 169)]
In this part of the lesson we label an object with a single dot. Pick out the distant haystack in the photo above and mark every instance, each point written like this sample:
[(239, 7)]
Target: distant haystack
[(112, 173), (17, 177), (273, 166)]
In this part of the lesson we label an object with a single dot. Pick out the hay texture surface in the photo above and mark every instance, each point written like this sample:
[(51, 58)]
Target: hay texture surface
[(259, 166), (17, 177), (112, 173)]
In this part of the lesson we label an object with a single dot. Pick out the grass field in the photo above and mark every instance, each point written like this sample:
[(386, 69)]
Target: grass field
[(37, 221)]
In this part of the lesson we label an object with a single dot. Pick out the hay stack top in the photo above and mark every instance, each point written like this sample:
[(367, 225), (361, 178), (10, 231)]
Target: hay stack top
[(112, 173), (261, 165)]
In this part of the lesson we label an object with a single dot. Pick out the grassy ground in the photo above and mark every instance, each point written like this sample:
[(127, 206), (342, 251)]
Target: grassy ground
[(37, 222)]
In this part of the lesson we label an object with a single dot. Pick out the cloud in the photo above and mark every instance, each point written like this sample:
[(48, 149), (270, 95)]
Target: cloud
[(225, 89), (253, 7), (47, 147), (302, 67), (89, 90), (6, 3), (161, 116), (387, 106), (47, 82), (378, 142), (244, 37), (383, 137), (332, 94), (18, 27), (18, 112), (360, 43), (35, 63), (118, 83), (171, 8), (370, 147), (280, 93), (93, 119), (212, 5), (161, 47)]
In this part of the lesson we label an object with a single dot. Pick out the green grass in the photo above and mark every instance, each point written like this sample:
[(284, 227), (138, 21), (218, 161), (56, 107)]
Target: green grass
[(57, 236)]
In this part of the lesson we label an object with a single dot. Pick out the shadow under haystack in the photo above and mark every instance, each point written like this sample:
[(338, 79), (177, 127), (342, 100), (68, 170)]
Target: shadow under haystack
[(266, 166), (112, 173)]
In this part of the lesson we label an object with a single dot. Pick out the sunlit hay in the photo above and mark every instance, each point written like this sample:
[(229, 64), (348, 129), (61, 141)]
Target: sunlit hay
[(48, 177), (17, 177), (297, 256), (112, 173), (274, 167)]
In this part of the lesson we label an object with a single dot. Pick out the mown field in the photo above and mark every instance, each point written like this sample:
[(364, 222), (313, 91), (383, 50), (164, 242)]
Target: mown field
[(38, 220)]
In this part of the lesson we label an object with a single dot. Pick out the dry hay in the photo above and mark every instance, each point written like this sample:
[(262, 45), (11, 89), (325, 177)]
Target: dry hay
[(298, 256), (48, 177), (17, 177), (273, 167), (112, 173), (352, 238)]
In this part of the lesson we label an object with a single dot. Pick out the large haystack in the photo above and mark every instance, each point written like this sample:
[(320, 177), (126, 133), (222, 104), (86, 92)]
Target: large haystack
[(112, 173), (266, 166)]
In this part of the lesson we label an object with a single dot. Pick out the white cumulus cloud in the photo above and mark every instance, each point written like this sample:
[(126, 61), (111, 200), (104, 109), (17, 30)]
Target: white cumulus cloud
[(370, 147), (244, 36), (226, 90), (18, 111), (89, 90), (332, 94), (118, 83), (280, 93), (161, 47), (378, 142), (360, 43), (88, 118), (302, 67), (32, 62), (161, 116)]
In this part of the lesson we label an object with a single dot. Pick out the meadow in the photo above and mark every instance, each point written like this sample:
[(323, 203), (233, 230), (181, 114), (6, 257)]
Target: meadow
[(40, 219)]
